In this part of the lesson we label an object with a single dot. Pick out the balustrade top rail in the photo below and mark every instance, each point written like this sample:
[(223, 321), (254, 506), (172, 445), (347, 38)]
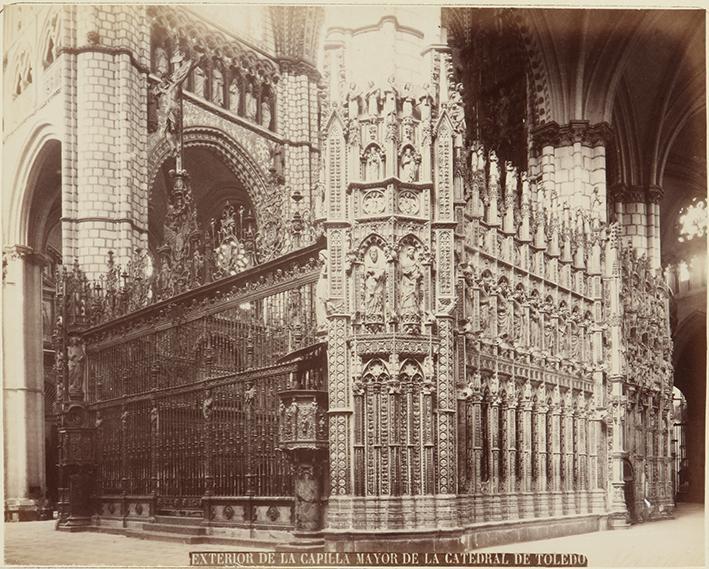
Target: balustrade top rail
[(286, 272), (290, 370)]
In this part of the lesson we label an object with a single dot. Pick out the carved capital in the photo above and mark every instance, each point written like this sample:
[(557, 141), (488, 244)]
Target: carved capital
[(551, 134), (655, 194)]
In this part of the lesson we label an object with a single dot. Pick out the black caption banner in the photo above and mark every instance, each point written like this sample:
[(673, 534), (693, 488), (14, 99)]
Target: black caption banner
[(382, 559)]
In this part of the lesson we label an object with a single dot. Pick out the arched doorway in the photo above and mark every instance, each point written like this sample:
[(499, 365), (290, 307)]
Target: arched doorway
[(45, 237), (239, 211), (214, 187), (30, 385), (629, 489)]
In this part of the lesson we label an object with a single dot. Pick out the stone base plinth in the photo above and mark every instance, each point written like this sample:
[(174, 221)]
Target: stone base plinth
[(25, 510), (618, 522), (75, 523), (384, 513), (461, 538)]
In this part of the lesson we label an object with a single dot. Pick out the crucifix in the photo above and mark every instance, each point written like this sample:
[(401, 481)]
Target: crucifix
[(169, 94)]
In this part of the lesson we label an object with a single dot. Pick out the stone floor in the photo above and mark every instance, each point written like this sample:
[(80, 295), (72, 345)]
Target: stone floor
[(665, 543), (668, 543)]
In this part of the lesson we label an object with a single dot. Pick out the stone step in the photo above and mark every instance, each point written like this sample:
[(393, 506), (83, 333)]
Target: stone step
[(164, 536), (178, 537), (178, 520), (174, 528), (252, 544)]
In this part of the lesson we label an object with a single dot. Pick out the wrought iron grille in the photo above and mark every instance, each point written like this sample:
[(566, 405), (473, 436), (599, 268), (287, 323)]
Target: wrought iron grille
[(184, 393), (175, 442), (190, 349)]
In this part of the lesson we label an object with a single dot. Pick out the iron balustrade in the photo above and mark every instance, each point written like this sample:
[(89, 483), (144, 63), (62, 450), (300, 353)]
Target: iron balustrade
[(183, 393)]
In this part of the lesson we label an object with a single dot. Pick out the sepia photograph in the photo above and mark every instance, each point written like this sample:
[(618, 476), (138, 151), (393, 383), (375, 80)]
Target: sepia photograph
[(329, 285)]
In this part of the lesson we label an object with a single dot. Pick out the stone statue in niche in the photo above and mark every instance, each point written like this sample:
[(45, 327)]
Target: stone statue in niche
[(307, 495), (250, 106), (519, 319), (217, 87), (425, 103), (200, 82), (527, 393), (164, 281), (390, 96), (429, 369), (373, 96), (534, 325), (485, 309), (588, 343), (455, 105), (75, 365), (408, 169), (374, 285), (373, 162), (407, 109), (503, 312), (266, 112), (563, 339), (278, 161), (549, 334), (410, 282), (321, 294), (353, 101), (162, 63), (574, 345), (234, 96)]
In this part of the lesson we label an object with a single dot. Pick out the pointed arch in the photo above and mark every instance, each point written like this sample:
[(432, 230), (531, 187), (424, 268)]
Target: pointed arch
[(235, 157)]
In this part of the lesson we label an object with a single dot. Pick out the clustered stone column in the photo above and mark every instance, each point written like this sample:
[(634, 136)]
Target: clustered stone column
[(23, 385)]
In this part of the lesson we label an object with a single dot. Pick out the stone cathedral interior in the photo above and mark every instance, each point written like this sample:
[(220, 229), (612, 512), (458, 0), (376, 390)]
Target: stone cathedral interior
[(346, 279)]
